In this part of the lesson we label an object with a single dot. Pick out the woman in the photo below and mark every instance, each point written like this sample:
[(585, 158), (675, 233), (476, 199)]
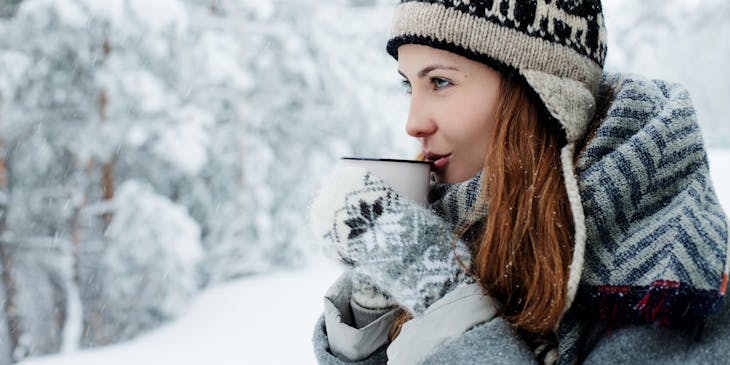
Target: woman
[(572, 219)]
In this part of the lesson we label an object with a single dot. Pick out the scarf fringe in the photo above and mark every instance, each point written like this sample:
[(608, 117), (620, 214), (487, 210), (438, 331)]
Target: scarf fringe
[(667, 303)]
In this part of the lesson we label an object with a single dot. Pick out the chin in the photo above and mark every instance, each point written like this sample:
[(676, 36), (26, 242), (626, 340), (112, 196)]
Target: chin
[(447, 178), (451, 177)]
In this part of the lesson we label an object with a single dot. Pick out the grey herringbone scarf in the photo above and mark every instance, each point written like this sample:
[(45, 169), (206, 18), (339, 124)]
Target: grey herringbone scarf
[(458, 203), (656, 235)]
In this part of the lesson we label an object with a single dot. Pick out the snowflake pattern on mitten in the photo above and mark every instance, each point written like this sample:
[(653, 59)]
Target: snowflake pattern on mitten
[(405, 249)]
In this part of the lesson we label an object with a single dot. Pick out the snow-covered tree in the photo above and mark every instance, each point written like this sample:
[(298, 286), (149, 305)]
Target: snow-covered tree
[(320, 91), (101, 100), (45, 181), (8, 8), (149, 265)]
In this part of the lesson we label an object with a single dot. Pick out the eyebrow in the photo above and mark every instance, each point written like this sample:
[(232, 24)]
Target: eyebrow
[(427, 69)]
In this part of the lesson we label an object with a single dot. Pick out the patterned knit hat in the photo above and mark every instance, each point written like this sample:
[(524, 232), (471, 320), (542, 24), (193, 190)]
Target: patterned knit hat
[(557, 46)]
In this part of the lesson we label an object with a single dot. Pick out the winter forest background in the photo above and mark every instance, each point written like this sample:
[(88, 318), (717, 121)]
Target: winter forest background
[(153, 151)]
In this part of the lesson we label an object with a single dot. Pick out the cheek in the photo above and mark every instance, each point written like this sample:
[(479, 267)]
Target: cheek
[(476, 116)]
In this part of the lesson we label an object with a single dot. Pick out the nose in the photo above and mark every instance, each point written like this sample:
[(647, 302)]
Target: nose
[(420, 123)]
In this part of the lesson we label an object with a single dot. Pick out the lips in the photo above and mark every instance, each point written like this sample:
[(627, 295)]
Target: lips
[(438, 160)]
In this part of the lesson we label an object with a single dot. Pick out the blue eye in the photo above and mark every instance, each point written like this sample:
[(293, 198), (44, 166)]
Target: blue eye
[(440, 83), (407, 86)]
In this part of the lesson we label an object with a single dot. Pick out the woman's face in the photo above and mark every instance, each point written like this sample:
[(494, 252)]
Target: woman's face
[(453, 102)]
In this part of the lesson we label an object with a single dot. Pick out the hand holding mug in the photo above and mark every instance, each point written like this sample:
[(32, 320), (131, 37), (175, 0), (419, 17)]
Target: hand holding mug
[(403, 247)]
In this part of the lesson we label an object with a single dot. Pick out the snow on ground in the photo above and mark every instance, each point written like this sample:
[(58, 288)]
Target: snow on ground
[(259, 320)]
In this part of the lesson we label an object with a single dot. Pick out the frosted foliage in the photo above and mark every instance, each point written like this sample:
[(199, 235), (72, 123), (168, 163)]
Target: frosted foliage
[(155, 17), (47, 207), (133, 87), (8, 8), (324, 88), (41, 269), (220, 55), (187, 145), (96, 93), (149, 264), (6, 349)]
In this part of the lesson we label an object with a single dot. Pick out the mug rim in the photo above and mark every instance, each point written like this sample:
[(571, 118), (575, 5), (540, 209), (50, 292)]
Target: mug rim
[(387, 160)]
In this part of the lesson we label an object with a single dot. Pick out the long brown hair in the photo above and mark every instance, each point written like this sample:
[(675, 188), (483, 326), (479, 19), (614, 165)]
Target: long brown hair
[(523, 255)]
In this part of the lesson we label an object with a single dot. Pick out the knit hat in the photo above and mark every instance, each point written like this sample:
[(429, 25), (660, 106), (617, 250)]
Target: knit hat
[(557, 46)]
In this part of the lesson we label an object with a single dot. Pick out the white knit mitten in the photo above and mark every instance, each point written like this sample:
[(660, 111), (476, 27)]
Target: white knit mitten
[(405, 249)]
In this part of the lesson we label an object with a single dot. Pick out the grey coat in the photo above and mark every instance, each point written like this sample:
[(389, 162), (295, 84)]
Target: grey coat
[(494, 342)]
